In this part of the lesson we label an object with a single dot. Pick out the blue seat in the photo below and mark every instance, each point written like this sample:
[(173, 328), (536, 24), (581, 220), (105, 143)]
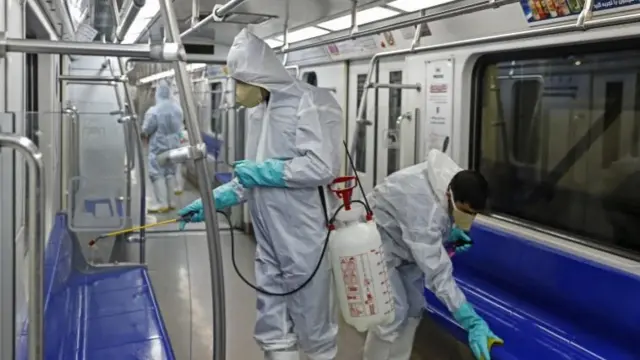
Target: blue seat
[(545, 303), (97, 313), (214, 145)]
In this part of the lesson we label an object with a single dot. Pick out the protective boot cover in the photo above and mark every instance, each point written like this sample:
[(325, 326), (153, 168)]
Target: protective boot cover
[(160, 190), (171, 199), (179, 181)]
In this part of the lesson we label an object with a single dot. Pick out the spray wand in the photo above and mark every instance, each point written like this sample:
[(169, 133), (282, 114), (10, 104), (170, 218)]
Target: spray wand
[(186, 218)]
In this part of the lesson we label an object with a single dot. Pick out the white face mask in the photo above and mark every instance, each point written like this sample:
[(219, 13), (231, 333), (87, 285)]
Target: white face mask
[(462, 219), (248, 95)]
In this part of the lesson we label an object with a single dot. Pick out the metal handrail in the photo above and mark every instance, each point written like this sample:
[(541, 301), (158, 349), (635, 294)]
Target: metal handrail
[(35, 225), (73, 153), (445, 14), (197, 152)]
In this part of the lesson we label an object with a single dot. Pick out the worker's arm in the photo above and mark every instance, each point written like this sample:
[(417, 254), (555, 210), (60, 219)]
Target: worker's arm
[(318, 141), (422, 228)]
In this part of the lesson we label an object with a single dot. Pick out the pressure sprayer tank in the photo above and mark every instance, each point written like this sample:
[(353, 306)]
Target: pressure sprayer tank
[(359, 267)]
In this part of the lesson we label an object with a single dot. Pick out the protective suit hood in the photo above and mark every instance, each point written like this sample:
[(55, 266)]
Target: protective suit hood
[(440, 170), (252, 61), (163, 92)]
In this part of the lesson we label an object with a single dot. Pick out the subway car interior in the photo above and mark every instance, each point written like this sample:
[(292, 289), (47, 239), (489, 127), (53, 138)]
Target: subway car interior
[(92, 268)]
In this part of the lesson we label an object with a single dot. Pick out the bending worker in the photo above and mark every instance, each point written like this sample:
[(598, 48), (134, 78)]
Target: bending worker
[(162, 125), (295, 121), (416, 209)]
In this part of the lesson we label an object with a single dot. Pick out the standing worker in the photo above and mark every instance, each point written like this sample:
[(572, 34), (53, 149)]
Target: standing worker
[(417, 209), (300, 123), (162, 125)]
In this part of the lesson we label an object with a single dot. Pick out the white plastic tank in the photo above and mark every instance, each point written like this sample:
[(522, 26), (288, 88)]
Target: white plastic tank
[(360, 270)]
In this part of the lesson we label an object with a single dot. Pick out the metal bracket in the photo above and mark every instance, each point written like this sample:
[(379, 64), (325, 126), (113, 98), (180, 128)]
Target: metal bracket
[(3, 44), (214, 15), (168, 52)]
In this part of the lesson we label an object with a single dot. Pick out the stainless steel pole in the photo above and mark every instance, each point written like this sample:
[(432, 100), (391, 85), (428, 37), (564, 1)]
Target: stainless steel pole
[(204, 183), (90, 78), (224, 9), (35, 238), (168, 51), (128, 16)]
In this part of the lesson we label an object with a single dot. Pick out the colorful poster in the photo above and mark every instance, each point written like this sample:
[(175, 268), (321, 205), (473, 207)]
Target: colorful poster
[(541, 10), (438, 122)]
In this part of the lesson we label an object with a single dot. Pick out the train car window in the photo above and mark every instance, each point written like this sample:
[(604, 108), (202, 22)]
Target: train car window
[(216, 113), (395, 110), (310, 78), (557, 138), (361, 150), (526, 130)]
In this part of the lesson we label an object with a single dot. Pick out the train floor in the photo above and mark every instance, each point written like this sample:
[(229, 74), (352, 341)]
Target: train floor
[(179, 269)]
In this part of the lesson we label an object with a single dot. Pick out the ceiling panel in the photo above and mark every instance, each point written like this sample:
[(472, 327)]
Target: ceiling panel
[(302, 12)]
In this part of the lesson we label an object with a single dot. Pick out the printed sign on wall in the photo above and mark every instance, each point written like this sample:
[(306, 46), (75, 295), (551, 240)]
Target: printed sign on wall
[(438, 124), (543, 10)]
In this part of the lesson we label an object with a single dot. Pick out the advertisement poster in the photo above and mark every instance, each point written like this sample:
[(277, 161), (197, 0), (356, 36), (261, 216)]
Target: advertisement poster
[(542, 10), (438, 124)]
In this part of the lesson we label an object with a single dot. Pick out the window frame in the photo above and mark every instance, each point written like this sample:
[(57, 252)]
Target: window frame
[(482, 62)]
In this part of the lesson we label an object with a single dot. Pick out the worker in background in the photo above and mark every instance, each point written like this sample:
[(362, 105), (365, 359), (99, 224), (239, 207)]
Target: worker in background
[(417, 210), (162, 125), (184, 140), (290, 120)]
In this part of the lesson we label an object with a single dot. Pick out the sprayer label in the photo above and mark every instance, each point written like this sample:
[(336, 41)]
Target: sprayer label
[(363, 274)]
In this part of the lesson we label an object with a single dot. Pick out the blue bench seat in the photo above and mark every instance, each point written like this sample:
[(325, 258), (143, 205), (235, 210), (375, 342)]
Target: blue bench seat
[(545, 303), (102, 313)]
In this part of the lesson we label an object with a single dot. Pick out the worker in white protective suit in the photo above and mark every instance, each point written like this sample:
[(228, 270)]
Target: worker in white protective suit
[(417, 210), (293, 148), (179, 188), (162, 125)]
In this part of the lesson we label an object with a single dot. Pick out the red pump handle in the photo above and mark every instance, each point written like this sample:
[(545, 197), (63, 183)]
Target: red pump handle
[(345, 193)]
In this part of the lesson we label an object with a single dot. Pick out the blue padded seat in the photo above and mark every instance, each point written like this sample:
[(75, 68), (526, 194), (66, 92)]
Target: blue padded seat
[(545, 303), (109, 313)]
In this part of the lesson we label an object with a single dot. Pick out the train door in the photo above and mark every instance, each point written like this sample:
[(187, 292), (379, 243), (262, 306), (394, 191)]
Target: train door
[(387, 158), (364, 157)]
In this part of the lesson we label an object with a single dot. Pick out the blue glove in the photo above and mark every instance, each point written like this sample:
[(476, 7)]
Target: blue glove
[(267, 173), (480, 336), (456, 235), (224, 197)]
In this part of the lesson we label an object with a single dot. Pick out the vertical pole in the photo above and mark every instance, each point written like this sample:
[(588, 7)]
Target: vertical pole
[(204, 183)]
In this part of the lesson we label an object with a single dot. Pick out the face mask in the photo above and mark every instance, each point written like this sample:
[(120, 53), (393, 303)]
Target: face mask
[(462, 219), (248, 95)]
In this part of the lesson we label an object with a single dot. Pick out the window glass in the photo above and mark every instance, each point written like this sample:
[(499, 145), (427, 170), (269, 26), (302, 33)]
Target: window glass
[(310, 78), (395, 110), (558, 141), (361, 150)]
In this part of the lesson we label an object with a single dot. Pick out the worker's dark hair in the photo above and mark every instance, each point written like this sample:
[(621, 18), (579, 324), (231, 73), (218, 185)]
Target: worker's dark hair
[(470, 187)]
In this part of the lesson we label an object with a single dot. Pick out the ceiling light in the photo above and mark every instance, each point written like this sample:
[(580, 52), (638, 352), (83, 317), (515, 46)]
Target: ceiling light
[(362, 17), (303, 34), (415, 5), (170, 73), (273, 43), (146, 14)]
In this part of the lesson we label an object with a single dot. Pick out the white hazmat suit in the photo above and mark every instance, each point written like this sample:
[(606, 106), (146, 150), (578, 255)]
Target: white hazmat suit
[(293, 146), (411, 211), (162, 125)]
